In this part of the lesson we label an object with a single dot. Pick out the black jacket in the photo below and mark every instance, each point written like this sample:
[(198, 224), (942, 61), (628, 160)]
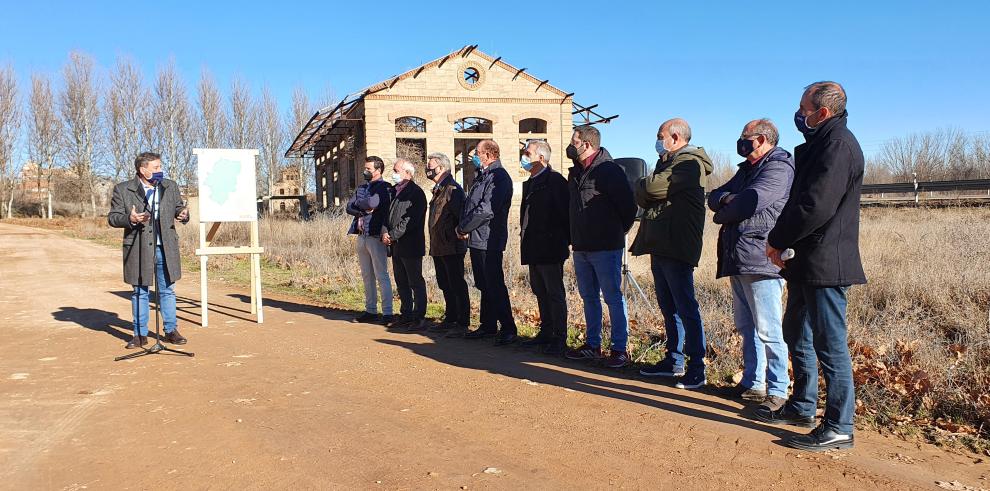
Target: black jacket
[(378, 193), (445, 211), (602, 209), (543, 217), (486, 211), (821, 218), (407, 221), (673, 202)]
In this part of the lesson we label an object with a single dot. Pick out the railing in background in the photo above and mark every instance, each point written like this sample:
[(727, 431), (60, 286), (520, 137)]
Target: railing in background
[(916, 190)]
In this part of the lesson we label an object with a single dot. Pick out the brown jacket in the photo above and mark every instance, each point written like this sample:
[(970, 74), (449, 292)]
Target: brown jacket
[(445, 213)]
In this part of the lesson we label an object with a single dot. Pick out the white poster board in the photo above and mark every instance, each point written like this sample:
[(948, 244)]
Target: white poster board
[(227, 186)]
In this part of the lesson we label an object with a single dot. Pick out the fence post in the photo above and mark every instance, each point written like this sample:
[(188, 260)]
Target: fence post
[(914, 176)]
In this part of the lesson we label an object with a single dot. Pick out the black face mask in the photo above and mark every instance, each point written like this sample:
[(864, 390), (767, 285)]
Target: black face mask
[(572, 152), (367, 175), (744, 147), (431, 174)]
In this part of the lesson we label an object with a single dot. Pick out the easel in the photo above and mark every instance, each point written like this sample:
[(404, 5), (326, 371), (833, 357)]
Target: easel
[(205, 251), (248, 213)]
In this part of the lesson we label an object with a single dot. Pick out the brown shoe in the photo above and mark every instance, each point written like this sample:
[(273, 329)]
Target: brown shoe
[(773, 403), (137, 342), (174, 337)]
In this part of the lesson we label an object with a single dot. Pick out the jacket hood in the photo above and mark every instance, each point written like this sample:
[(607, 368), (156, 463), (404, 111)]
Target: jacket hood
[(691, 152)]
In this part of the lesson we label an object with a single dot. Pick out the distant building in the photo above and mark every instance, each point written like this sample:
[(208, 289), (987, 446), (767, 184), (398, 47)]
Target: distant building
[(287, 185), (447, 105)]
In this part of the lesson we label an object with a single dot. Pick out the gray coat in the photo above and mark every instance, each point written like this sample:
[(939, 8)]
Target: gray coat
[(138, 243)]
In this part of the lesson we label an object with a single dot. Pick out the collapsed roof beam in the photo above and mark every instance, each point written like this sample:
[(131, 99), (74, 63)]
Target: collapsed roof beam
[(518, 73), (494, 62), (538, 87)]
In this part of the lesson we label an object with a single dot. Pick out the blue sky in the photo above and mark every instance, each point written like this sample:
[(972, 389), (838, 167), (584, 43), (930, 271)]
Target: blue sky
[(908, 66)]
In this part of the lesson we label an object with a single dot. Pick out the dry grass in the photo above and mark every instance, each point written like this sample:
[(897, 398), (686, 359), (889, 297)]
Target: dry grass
[(920, 330)]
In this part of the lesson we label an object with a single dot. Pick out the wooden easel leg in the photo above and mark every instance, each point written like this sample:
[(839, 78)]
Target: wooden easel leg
[(204, 319), (255, 275), (258, 307)]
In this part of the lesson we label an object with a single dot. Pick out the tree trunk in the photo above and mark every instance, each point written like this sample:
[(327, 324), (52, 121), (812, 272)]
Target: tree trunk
[(50, 216)]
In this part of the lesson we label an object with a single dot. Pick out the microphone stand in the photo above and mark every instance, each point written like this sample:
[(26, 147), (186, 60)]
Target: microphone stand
[(158, 347)]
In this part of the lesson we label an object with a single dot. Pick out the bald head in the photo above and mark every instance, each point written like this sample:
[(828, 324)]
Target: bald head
[(675, 134)]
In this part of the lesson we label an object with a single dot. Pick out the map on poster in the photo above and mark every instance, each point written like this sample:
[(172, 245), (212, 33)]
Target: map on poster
[(227, 187)]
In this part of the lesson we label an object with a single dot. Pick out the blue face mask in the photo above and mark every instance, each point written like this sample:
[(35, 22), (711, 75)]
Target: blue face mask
[(157, 177), (525, 163), (660, 148), (476, 161), (801, 122)]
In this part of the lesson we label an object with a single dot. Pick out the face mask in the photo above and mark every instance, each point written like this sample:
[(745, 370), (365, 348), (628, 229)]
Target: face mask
[(431, 174), (745, 146), (661, 149), (476, 160), (572, 152), (156, 177), (396, 178), (801, 122), (525, 163), (367, 175)]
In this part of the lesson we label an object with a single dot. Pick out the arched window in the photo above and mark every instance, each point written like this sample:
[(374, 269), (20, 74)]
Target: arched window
[(473, 125), (410, 124), (533, 125)]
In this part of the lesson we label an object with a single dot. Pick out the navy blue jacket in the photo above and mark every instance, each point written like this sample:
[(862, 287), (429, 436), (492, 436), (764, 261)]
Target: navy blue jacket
[(486, 211), (363, 198), (760, 191), (821, 219)]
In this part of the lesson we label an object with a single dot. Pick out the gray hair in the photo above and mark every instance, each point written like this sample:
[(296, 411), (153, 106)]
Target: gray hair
[(679, 127), (540, 147), (765, 127), (441, 159), (406, 165), (827, 94)]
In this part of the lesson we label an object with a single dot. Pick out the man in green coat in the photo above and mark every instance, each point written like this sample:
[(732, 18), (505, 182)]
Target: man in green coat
[(673, 202)]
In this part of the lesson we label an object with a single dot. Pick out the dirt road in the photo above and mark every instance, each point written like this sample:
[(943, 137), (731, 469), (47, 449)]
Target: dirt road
[(310, 401)]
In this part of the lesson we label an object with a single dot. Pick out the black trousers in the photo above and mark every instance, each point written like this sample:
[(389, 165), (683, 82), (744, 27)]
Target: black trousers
[(490, 279), (450, 279), (411, 285), (547, 281)]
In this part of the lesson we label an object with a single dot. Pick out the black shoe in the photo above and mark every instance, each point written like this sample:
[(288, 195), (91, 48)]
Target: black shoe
[(505, 339), (137, 342), (479, 334), (365, 318), (457, 331), (395, 321), (820, 439), (783, 416), (555, 349), (441, 327), (415, 325), (537, 341)]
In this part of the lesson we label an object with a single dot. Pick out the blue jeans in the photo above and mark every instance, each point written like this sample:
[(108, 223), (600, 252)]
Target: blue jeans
[(674, 281), (757, 310), (139, 299), (815, 330), (600, 273)]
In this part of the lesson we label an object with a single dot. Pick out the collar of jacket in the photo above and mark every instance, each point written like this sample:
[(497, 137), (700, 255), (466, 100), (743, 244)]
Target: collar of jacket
[(138, 187), (602, 156), (497, 164), (775, 153), (823, 131), (443, 182), (542, 175)]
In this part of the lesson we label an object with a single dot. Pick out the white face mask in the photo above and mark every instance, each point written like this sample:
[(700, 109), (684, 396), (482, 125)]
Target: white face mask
[(396, 178)]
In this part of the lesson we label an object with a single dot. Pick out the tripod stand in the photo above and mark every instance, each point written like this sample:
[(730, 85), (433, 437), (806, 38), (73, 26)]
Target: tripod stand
[(158, 347)]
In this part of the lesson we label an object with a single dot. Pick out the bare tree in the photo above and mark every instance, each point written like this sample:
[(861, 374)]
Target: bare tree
[(243, 119), (173, 133), (299, 114), (944, 154), (79, 105), (722, 171), (272, 135), (44, 135), (212, 122), (10, 121), (124, 104)]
